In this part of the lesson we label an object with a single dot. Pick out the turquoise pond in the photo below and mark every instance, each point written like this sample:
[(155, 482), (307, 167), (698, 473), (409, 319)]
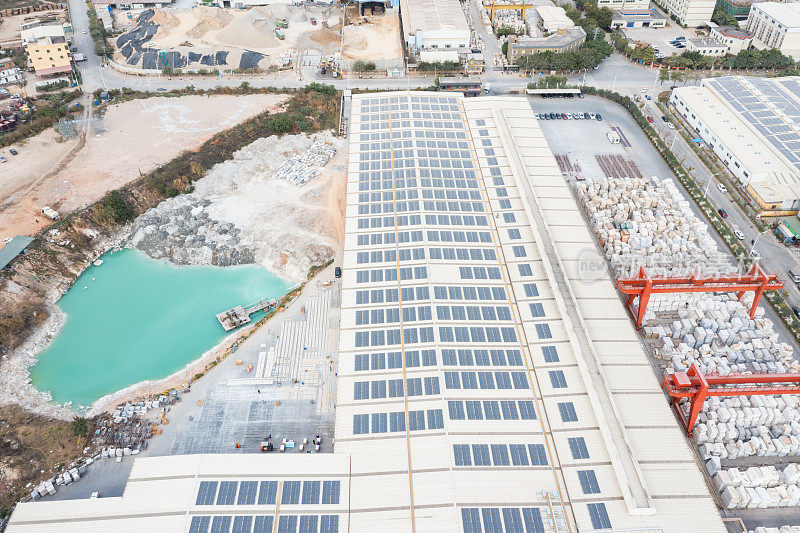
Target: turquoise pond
[(134, 318)]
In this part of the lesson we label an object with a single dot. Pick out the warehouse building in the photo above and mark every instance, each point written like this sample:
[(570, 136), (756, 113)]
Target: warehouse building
[(489, 378), (752, 126), (433, 24), (776, 25)]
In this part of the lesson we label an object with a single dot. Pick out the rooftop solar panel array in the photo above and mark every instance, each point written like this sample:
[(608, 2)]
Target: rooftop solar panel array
[(771, 106)]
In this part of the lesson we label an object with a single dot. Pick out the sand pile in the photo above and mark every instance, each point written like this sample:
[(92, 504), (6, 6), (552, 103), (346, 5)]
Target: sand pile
[(164, 19), (255, 30), (353, 38), (209, 19), (324, 36)]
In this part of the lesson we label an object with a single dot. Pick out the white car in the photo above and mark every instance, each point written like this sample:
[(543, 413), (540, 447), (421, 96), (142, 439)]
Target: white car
[(722, 188), (591, 116), (84, 32), (644, 90), (755, 255), (739, 234), (670, 125)]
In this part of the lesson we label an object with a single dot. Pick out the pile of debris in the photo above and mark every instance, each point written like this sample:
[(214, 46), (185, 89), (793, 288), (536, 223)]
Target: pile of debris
[(180, 230), (304, 167)]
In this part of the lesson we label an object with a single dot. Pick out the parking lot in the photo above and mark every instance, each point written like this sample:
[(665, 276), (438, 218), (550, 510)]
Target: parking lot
[(582, 140), (659, 37)]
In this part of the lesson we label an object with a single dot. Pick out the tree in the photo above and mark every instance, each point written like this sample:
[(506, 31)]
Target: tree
[(505, 48), (79, 427), (364, 66), (722, 18), (280, 124), (663, 75)]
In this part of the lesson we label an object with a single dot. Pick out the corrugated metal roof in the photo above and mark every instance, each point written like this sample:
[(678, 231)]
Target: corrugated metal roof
[(13, 249)]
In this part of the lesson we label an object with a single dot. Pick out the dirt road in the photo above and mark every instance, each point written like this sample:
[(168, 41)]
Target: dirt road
[(140, 135)]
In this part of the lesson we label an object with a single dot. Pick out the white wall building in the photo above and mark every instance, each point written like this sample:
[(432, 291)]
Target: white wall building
[(624, 5), (690, 13), (433, 24), (474, 392), (707, 46), (45, 31), (744, 121), (553, 18), (776, 25), (736, 39), (10, 76)]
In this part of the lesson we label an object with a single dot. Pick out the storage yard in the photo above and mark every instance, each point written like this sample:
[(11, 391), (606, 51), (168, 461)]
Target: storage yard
[(264, 37)]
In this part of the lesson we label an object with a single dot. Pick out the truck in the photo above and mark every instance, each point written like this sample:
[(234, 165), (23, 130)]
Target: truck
[(79, 57), (52, 214)]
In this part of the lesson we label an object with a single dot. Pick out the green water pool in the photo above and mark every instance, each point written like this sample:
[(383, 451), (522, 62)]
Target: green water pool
[(134, 318)]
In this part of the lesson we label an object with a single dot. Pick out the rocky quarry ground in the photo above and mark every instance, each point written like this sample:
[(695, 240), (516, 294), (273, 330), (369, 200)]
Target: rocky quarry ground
[(273, 204)]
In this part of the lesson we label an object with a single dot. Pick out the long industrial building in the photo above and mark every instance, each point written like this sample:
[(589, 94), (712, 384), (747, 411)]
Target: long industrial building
[(753, 125), (489, 378)]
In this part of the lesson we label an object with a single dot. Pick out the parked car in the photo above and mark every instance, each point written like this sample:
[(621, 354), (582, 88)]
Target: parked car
[(650, 120), (796, 311), (722, 213), (739, 234), (564, 116), (648, 97), (670, 125), (592, 116), (2, 159), (722, 188), (13, 152), (552, 116), (586, 116), (599, 116), (794, 276), (337, 272), (755, 255), (664, 118)]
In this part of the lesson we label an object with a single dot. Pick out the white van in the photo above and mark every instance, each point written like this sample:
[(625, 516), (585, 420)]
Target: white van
[(487, 88)]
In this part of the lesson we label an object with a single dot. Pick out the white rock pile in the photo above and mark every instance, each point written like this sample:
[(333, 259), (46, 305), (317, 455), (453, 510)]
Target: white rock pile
[(305, 166), (757, 487), (646, 222)]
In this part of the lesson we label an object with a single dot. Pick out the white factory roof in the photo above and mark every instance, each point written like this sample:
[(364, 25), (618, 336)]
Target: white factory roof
[(736, 129), (485, 381), (787, 14), (554, 17), (433, 16)]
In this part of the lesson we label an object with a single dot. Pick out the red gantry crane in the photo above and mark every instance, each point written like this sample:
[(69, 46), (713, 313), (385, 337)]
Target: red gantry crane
[(697, 387), (642, 286)]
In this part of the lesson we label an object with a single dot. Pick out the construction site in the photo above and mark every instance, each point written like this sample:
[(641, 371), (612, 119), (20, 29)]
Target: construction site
[(277, 36)]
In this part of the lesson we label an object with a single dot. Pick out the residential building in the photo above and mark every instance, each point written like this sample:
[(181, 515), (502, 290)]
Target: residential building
[(553, 18), (706, 46), (776, 25), (692, 13), (751, 125), (48, 58), (10, 76), (433, 24), (484, 384), (638, 18), (54, 31), (624, 5), (564, 40), (736, 39)]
